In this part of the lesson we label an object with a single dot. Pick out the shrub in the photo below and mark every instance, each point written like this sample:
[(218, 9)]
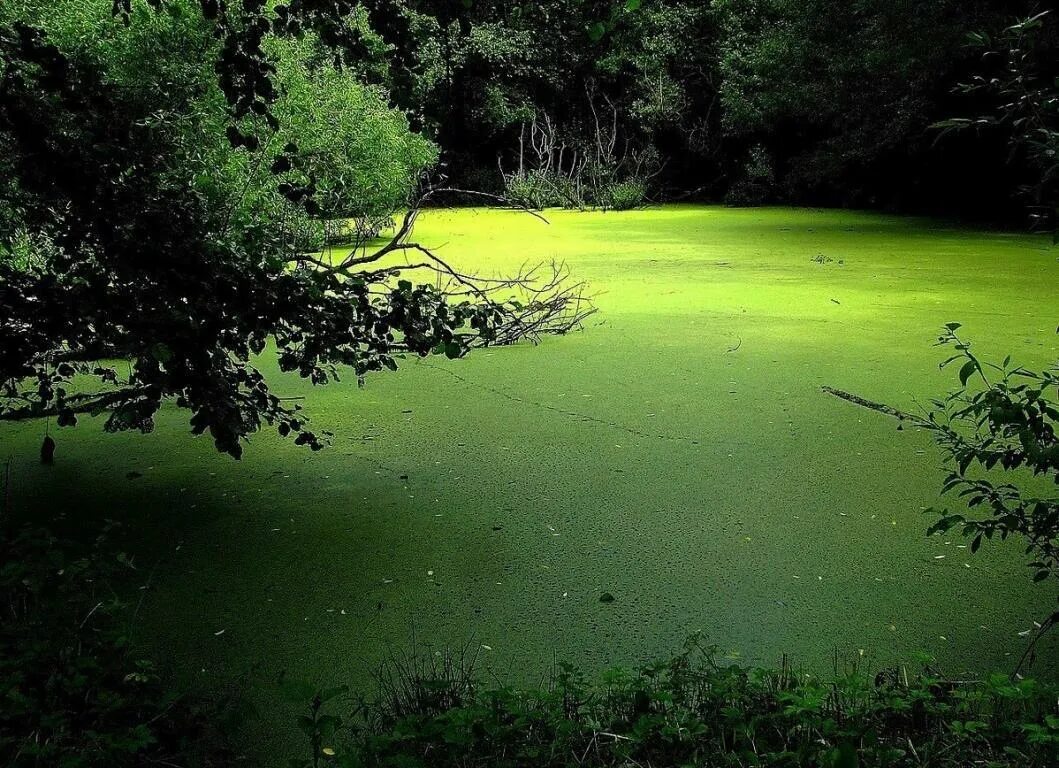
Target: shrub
[(365, 161), (531, 190), (694, 710), (624, 195), (541, 189)]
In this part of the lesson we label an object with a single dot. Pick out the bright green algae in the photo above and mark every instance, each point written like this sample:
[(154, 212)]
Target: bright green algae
[(678, 454)]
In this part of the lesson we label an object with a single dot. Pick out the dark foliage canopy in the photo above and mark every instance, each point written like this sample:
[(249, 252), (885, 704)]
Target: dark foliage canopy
[(145, 222)]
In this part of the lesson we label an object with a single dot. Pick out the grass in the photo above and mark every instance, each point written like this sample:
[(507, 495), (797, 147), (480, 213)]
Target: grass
[(711, 486)]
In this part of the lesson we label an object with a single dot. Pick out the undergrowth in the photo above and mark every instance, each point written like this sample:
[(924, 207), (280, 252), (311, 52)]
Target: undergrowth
[(73, 691), (690, 710)]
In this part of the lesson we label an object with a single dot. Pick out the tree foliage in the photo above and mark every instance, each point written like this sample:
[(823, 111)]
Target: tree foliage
[(841, 96), (477, 74), (1018, 83), (833, 100), (157, 214)]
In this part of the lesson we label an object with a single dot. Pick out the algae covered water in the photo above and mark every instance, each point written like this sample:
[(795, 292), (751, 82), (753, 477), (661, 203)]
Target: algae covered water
[(677, 455)]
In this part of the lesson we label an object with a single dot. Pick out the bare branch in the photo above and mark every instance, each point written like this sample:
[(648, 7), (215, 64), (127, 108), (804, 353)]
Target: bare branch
[(877, 407)]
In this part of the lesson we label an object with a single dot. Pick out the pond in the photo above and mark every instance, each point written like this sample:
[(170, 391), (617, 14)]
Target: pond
[(677, 455)]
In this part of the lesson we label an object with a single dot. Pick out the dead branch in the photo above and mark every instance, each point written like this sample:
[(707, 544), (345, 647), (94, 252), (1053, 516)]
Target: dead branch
[(531, 304), (538, 300), (872, 405), (557, 166)]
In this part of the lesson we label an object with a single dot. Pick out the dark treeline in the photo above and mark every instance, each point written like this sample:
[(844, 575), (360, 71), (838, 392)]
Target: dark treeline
[(819, 102)]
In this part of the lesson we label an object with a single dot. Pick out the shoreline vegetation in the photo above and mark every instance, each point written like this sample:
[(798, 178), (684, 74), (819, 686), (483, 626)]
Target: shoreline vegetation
[(77, 690)]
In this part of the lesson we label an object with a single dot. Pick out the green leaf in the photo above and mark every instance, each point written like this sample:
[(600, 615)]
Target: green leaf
[(66, 418), (967, 371), (328, 724), (161, 352)]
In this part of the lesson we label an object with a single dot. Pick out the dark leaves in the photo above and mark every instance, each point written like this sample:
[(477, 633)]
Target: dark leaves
[(211, 9), (183, 277), (47, 450), (1008, 423), (239, 139)]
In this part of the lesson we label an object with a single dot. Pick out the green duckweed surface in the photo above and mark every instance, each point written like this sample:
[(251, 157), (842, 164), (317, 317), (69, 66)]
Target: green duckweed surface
[(678, 454)]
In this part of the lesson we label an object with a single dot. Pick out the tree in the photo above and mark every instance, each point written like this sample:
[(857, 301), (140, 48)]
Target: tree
[(476, 73), (1018, 83), (839, 96), (158, 209)]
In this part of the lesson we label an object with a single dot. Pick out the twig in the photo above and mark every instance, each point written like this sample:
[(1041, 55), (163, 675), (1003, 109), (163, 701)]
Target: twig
[(96, 607), (1030, 653)]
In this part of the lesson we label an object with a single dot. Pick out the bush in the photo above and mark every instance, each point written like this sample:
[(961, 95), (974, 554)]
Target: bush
[(72, 692), (365, 161), (624, 195), (541, 189), (530, 190), (693, 710)]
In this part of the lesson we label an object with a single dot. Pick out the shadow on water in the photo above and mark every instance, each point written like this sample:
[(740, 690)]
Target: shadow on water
[(319, 565)]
